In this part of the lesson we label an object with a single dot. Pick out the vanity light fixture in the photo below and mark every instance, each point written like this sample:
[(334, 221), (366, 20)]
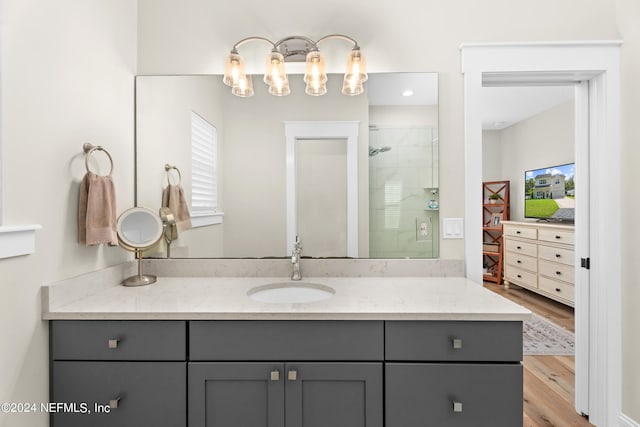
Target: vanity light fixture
[(295, 49)]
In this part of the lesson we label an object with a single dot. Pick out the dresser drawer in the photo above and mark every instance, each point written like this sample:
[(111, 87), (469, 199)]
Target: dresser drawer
[(563, 272), (118, 340), (286, 340), (149, 393), (560, 289), (454, 395), (557, 236), (524, 248), (517, 231), (550, 253), (522, 261), (520, 276), (453, 341)]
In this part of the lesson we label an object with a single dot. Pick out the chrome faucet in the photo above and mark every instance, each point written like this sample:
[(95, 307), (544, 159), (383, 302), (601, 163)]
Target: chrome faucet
[(295, 259)]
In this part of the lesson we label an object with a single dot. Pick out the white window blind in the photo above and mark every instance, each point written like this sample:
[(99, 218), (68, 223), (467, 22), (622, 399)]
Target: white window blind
[(204, 172)]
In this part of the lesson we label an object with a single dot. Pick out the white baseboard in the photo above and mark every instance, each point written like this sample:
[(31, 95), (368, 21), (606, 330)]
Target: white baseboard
[(627, 422)]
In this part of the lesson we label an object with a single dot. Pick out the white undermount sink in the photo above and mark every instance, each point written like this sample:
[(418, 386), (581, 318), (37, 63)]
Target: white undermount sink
[(291, 292)]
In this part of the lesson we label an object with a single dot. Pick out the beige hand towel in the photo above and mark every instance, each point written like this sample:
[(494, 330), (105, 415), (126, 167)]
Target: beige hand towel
[(173, 198), (97, 211)]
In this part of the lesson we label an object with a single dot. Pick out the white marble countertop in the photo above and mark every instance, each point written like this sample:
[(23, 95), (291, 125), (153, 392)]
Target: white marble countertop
[(217, 298)]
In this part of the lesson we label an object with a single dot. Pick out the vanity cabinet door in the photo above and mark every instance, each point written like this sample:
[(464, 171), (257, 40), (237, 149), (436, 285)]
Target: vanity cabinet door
[(334, 394), (119, 394), (236, 394), (453, 395)]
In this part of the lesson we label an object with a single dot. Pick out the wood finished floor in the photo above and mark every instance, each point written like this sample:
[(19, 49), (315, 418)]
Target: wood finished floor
[(549, 381)]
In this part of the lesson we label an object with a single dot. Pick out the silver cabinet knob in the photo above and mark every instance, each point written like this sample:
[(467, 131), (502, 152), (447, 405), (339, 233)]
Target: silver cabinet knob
[(457, 343), (292, 375), (275, 375), (113, 403), (457, 407), (113, 343)]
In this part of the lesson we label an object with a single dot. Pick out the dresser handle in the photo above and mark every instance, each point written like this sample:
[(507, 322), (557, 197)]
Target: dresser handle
[(557, 255), (558, 237), (292, 375), (518, 247), (519, 276), (457, 343), (558, 273), (558, 290), (275, 375), (457, 407), (113, 343), (518, 232), (113, 403), (519, 262)]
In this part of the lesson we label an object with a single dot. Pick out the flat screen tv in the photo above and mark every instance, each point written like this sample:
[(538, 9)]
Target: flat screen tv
[(549, 193)]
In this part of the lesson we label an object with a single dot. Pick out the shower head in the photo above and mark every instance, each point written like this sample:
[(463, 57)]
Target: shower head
[(376, 151)]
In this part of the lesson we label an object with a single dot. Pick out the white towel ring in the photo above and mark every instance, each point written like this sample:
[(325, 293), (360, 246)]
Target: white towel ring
[(89, 149), (167, 168)]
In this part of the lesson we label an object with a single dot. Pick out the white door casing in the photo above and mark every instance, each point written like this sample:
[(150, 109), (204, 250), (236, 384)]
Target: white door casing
[(598, 290)]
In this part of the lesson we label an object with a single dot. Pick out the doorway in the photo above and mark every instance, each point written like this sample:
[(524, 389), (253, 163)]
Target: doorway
[(593, 67)]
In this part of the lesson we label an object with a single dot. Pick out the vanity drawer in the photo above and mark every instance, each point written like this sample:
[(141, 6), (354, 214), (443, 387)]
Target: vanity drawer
[(524, 232), (149, 393), (286, 340), (551, 253), (560, 289), (557, 236), (453, 341), (118, 340), (519, 276), (524, 248), (522, 261), (453, 395), (563, 272)]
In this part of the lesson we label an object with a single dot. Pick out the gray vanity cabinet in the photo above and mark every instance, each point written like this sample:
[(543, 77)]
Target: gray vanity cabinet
[(327, 373), (293, 394), (293, 373), (454, 374), (118, 373)]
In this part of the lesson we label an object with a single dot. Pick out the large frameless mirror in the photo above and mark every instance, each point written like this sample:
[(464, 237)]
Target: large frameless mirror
[(397, 200)]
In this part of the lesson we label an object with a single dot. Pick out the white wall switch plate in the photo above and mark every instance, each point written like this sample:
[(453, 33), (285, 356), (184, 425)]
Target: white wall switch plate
[(453, 228)]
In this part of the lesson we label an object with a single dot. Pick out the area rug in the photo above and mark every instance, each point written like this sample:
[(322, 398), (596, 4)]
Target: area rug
[(542, 337)]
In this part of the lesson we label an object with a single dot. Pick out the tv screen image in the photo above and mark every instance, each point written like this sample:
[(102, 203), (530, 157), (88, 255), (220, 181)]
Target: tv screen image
[(549, 193)]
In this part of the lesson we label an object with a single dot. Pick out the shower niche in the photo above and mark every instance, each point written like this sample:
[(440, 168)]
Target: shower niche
[(404, 199)]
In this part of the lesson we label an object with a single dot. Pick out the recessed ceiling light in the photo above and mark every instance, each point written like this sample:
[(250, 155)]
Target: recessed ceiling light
[(407, 92)]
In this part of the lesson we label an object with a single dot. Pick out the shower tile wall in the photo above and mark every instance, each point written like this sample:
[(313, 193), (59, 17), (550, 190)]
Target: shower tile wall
[(401, 181)]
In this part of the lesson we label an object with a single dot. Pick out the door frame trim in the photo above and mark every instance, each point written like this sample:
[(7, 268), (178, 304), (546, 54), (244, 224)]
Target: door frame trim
[(598, 63), (299, 130)]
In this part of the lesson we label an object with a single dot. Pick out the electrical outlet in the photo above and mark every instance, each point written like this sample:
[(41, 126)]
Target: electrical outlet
[(423, 229)]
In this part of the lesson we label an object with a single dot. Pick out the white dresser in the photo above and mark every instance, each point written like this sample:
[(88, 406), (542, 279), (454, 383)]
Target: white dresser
[(540, 257)]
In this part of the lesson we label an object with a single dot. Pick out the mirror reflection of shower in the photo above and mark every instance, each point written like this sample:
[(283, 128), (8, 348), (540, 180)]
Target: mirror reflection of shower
[(378, 150)]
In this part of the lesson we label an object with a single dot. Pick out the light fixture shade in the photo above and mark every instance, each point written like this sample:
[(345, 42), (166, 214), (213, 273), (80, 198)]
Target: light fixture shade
[(356, 67), (233, 70), (316, 88), (244, 88), (280, 88), (352, 87), (274, 71), (315, 71)]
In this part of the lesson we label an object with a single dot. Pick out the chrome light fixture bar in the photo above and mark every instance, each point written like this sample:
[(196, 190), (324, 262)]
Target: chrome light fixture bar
[(292, 49)]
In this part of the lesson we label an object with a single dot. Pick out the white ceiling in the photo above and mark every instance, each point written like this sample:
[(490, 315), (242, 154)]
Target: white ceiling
[(387, 88), (506, 106)]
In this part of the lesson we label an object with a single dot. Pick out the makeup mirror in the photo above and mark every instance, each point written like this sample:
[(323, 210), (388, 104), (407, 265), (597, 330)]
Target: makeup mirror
[(139, 229)]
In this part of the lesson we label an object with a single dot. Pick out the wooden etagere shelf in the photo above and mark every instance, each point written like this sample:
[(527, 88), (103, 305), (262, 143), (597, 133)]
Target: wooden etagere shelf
[(495, 209)]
